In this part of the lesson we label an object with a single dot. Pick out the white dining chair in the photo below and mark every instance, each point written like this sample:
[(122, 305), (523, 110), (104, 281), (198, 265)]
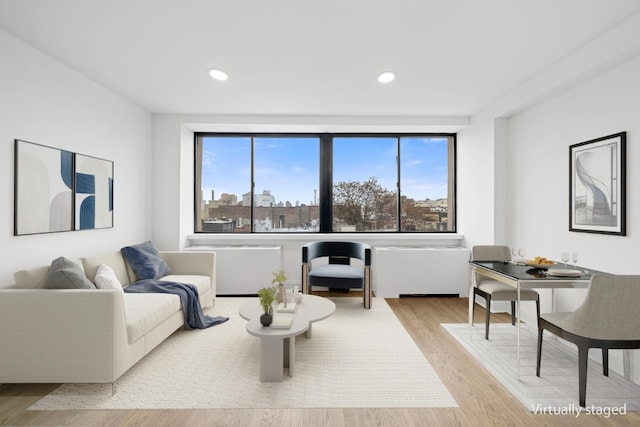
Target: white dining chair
[(492, 290), (606, 319)]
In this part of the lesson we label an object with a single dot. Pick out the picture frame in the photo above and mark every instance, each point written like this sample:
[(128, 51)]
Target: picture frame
[(56, 190), (43, 189), (93, 192), (597, 185)]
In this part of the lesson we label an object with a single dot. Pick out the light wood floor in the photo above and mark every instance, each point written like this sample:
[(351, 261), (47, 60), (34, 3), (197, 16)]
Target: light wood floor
[(482, 400)]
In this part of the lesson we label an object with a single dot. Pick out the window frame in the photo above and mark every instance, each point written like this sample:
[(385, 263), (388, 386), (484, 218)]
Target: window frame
[(325, 180)]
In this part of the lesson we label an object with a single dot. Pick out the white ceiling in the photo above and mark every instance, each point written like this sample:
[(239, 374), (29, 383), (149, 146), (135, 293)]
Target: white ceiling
[(303, 57)]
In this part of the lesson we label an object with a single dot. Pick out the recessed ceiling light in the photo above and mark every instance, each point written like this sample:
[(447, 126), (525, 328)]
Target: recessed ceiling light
[(386, 77), (218, 74)]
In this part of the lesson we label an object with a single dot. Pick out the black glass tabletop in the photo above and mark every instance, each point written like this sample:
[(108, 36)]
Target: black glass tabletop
[(520, 271)]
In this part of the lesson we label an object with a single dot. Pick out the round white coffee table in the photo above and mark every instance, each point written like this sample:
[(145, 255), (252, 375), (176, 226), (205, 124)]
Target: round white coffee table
[(312, 308), (277, 347)]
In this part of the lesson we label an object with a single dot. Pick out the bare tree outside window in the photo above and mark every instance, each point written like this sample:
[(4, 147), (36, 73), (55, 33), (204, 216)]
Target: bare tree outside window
[(367, 206)]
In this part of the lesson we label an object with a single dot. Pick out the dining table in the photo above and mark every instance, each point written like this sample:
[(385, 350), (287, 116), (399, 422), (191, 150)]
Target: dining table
[(521, 275)]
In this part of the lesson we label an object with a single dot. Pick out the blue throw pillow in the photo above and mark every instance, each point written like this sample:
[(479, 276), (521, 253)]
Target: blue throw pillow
[(145, 261)]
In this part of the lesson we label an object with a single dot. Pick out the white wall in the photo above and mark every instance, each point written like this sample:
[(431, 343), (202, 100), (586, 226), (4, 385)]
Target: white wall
[(539, 160), (514, 160), (486, 184), (540, 138), (45, 102), (476, 163), (523, 140), (168, 192)]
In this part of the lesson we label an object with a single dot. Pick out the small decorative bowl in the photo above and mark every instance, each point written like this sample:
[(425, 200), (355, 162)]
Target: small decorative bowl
[(540, 266)]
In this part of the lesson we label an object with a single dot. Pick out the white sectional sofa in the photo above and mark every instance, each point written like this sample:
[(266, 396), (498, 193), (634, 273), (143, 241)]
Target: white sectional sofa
[(92, 335)]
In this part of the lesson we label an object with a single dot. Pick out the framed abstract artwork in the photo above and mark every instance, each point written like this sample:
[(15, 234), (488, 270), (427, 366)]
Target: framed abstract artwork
[(43, 189), (597, 185), (57, 190), (93, 192)]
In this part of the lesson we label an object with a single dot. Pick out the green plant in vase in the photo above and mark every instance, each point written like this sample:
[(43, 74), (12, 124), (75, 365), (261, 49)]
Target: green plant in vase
[(267, 297), (280, 277)]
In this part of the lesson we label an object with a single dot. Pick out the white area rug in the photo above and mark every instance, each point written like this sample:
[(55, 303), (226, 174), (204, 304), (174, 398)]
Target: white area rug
[(557, 387), (356, 358)]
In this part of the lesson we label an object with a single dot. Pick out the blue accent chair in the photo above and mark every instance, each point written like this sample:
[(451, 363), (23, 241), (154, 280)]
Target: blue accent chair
[(337, 271)]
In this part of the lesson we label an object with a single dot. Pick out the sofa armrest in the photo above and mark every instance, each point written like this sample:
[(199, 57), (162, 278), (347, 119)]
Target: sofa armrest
[(58, 336), (196, 263)]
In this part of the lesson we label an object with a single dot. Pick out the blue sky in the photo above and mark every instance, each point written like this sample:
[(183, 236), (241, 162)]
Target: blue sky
[(288, 167)]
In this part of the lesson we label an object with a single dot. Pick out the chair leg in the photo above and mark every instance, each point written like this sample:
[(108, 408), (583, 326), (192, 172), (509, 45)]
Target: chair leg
[(583, 356), (538, 311), (305, 278), (487, 314), (539, 355), (605, 362), (366, 289), (473, 306), (513, 313), (366, 295)]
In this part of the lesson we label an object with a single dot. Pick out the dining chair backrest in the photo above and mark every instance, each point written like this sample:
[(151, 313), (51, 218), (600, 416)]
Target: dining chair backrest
[(489, 253), (609, 310)]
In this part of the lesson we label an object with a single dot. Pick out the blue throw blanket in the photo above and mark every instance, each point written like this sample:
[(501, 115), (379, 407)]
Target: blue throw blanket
[(194, 318)]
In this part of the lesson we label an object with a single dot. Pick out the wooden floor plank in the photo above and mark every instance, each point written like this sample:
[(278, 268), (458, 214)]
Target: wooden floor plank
[(482, 400)]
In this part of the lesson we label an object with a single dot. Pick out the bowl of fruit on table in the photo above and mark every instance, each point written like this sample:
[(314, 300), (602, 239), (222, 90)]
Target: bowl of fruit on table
[(540, 262)]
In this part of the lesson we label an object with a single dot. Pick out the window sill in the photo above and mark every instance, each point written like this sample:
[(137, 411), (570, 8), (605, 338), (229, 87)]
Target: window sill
[(371, 238)]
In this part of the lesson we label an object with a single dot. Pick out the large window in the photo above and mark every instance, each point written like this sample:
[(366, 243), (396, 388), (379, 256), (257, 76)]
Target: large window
[(365, 176), (324, 183), (285, 171)]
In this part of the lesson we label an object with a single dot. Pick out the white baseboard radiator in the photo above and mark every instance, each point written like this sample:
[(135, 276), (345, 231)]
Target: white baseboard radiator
[(242, 270), (420, 271)]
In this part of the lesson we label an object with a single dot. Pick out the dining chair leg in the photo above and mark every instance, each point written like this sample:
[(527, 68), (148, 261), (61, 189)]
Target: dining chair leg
[(538, 311), (513, 312), (473, 307), (487, 314), (539, 354), (605, 362), (583, 355)]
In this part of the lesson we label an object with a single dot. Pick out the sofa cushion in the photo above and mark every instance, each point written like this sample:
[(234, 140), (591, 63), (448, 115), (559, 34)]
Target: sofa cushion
[(146, 311), (145, 261), (114, 260), (66, 274), (33, 278), (202, 283), (337, 275), (105, 278)]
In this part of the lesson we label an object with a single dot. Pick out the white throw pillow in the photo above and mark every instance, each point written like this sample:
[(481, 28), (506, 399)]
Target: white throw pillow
[(106, 278)]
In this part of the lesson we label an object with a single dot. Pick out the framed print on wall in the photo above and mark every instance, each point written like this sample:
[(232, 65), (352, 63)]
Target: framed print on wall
[(93, 193), (43, 189), (597, 185)]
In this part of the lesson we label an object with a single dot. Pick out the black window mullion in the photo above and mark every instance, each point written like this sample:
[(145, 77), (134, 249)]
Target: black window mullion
[(253, 184), (398, 186), (326, 183)]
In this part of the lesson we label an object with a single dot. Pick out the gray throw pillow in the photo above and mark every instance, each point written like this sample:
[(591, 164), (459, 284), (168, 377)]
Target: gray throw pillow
[(145, 261), (66, 274)]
